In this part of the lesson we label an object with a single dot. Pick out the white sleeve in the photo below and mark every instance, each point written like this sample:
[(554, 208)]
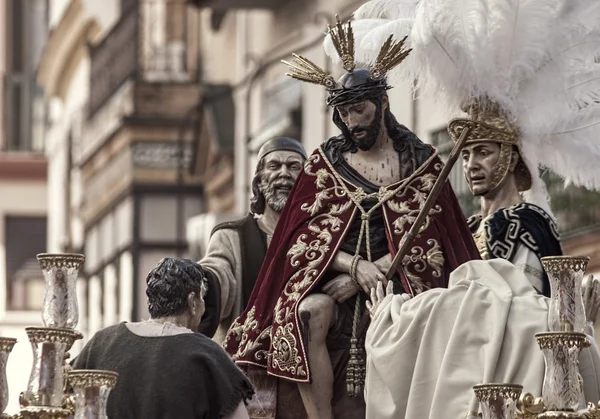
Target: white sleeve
[(527, 261), (223, 258)]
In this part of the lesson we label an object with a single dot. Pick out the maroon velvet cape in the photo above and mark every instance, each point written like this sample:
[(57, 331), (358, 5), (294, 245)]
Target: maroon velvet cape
[(318, 213)]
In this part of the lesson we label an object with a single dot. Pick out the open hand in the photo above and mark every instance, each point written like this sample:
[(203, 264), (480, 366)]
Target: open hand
[(590, 290), (341, 288), (377, 296), (368, 274)]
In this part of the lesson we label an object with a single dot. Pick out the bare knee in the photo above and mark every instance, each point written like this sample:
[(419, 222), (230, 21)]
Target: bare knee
[(319, 309)]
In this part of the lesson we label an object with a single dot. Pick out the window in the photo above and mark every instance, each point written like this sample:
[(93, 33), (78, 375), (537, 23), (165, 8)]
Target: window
[(25, 237), (16, 14), (25, 32), (470, 204)]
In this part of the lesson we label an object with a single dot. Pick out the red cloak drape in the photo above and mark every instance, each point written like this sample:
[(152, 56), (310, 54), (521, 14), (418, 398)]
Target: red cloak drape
[(318, 213)]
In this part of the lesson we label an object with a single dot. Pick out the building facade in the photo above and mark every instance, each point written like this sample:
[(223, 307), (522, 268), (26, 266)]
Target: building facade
[(133, 148), (23, 179)]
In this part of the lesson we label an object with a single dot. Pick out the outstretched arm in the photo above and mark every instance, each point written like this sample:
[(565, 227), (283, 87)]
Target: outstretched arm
[(342, 262), (223, 260)]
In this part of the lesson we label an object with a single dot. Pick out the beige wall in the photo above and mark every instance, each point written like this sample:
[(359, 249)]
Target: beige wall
[(2, 66), (18, 198)]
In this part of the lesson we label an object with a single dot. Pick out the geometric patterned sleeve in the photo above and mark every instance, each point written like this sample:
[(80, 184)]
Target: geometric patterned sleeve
[(522, 226)]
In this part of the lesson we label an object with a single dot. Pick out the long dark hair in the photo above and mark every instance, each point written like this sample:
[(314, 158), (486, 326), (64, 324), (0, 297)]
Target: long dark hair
[(258, 201), (169, 284), (401, 136)]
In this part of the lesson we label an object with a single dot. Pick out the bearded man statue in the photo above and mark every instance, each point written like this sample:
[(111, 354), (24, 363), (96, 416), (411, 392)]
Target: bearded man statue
[(355, 200), (236, 249)]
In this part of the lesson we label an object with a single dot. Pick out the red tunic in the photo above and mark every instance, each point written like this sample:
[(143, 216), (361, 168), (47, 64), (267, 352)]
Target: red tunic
[(318, 214)]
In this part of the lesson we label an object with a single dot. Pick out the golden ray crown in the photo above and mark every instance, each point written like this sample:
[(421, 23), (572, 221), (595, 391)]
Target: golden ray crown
[(303, 69), (390, 55), (343, 41)]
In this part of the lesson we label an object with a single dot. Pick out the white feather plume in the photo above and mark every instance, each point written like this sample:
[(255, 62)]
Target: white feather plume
[(386, 9), (538, 59), (373, 23)]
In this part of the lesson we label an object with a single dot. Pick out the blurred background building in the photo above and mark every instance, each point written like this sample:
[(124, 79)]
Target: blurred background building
[(23, 175), (129, 128)]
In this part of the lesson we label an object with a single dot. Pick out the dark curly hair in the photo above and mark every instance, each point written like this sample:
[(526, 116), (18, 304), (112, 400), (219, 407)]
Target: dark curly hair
[(258, 201), (170, 283)]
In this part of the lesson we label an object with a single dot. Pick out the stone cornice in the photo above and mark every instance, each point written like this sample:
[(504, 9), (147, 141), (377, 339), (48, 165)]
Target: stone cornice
[(65, 49)]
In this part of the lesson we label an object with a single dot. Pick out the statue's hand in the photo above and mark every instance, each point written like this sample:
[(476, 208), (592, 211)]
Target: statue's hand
[(385, 263), (368, 274), (590, 290), (341, 288), (377, 296)]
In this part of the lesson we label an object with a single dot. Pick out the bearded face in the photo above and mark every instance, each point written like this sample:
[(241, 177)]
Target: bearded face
[(281, 168), (276, 192), (363, 120)]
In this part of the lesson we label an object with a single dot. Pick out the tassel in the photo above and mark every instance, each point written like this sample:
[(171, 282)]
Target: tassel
[(355, 373)]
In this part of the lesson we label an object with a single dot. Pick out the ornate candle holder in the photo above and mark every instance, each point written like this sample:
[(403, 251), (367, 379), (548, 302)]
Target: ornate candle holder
[(567, 313), (60, 309), (562, 389), (90, 391), (498, 401), (46, 382), (6, 346), (529, 406)]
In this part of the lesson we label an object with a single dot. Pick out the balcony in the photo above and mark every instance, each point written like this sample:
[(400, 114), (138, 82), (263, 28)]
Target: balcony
[(114, 59), (236, 4), (149, 43)]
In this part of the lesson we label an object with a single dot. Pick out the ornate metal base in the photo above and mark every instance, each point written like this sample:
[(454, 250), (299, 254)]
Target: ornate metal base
[(43, 412), (590, 413), (559, 415)]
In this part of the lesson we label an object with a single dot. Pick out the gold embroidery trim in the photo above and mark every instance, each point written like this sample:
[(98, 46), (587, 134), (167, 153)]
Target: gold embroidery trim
[(481, 244), (240, 332), (528, 269)]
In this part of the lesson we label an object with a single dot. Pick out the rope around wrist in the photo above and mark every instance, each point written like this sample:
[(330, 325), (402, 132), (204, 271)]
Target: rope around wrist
[(353, 266)]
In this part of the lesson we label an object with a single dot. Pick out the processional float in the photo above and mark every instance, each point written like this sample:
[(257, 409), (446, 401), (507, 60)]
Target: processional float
[(562, 391), (54, 390)]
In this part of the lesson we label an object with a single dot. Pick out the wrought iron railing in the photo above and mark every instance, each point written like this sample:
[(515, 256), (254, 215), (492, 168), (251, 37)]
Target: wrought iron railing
[(149, 43), (114, 59)]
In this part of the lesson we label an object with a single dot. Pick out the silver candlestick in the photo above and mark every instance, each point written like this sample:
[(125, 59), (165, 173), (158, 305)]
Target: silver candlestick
[(90, 391), (498, 401), (45, 389), (562, 388), (6, 346), (565, 273), (60, 309)]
